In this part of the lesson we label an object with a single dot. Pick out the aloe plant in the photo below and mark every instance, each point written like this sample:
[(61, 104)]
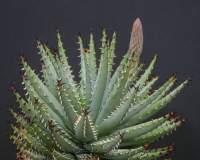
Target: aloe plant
[(107, 115)]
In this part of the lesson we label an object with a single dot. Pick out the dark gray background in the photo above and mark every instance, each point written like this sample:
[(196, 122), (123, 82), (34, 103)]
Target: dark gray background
[(171, 29)]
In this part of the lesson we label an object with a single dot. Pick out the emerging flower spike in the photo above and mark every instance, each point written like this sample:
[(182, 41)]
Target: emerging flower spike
[(105, 116)]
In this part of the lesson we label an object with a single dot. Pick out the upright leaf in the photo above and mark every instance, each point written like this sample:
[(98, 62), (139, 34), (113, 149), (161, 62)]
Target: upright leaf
[(101, 81)]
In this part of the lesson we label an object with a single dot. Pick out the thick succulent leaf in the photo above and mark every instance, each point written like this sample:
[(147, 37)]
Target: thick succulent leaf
[(86, 81), (150, 154), (135, 109), (91, 59), (62, 52), (52, 56), (32, 128), (143, 79), (111, 55), (145, 91), (87, 157), (104, 145), (117, 74), (65, 73), (153, 108), (112, 121), (101, 81), (39, 107), (164, 129), (17, 138), (29, 155), (43, 93), (69, 90), (133, 132), (32, 112), (64, 63), (84, 128), (26, 107), (48, 70), (24, 139), (50, 112), (114, 79), (62, 156), (133, 77), (113, 100), (121, 154), (46, 117), (130, 133), (69, 108), (63, 140)]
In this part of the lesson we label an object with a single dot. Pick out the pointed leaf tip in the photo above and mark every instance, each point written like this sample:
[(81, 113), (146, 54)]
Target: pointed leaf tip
[(12, 88), (170, 148), (38, 42), (22, 58)]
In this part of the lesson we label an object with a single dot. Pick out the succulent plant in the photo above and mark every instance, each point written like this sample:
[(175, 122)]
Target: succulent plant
[(107, 115)]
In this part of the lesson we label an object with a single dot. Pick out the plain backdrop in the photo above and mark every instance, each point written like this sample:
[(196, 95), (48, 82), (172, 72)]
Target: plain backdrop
[(171, 30)]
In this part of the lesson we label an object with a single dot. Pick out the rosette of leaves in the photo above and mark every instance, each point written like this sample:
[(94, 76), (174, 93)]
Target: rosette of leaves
[(106, 115)]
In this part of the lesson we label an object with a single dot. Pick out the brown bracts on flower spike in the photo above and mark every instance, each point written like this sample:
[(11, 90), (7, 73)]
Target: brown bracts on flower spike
[(136, 40), (135, 46)]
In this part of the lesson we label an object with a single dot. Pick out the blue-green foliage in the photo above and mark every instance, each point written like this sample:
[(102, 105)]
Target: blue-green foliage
[(104, 116)]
